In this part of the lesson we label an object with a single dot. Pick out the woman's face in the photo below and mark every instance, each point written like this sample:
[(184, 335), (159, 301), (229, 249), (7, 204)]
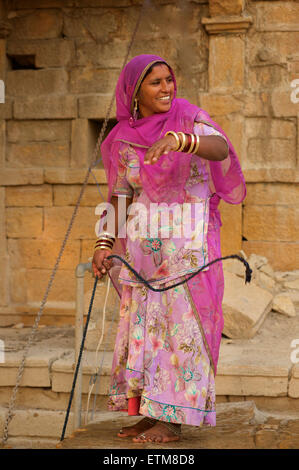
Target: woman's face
[(156, 91)]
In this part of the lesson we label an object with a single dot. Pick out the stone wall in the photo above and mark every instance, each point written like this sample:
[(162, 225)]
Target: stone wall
[(60, 61)]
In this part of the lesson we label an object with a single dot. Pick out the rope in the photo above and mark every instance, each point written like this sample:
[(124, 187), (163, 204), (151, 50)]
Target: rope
[(98, 347), (93, 163), (144, 281), (247, 277)]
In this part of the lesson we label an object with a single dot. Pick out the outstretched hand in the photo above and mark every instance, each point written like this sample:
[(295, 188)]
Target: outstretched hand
[(161, 147)]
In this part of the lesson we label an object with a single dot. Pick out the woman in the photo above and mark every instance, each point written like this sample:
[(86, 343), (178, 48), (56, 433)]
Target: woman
[(166, 150)]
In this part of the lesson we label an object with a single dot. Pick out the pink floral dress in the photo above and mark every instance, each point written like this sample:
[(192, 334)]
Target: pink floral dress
[(160, 354)]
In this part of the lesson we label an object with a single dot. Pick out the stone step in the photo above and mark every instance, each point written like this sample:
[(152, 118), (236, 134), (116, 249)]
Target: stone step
[(239, 426)]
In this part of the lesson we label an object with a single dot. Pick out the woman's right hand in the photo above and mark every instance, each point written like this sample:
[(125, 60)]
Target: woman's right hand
[(101, 265)]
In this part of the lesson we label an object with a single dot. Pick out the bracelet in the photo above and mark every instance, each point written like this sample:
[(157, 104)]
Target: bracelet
[(178, 143), (191, 147), (106, 234), (102, 248), (104, 242), (109, 240), (98, 245), (197, 144), (181, 148)]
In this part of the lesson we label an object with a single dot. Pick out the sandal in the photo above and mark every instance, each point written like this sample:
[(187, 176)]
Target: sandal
[(174, 428), (151, 422)]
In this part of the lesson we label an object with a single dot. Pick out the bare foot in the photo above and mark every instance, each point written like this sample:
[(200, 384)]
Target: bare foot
[(158, 433), (142, 425)]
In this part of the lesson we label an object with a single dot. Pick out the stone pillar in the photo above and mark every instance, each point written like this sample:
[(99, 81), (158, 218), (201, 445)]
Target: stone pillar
[(227, 27), (4, 275)]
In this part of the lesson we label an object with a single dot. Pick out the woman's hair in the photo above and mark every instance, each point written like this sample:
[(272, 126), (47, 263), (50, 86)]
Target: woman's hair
[(151, 68)]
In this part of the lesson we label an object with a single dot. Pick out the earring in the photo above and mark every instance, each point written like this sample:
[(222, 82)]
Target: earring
[(135, 114)]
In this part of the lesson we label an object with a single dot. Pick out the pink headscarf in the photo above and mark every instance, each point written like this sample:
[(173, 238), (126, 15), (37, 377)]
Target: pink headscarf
[(165, 180)]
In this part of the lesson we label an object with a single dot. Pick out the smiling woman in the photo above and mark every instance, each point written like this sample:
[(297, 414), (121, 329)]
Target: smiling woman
[(166, 151), (156, 91)]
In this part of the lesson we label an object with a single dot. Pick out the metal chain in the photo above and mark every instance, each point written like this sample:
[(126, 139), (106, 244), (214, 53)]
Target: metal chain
[(11, 407)]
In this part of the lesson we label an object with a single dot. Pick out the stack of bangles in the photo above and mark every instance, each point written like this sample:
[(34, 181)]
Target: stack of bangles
[(104, 242), (188, 143)]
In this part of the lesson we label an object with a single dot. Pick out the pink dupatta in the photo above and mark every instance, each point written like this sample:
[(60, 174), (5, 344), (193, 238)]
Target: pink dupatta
[(165, 180)]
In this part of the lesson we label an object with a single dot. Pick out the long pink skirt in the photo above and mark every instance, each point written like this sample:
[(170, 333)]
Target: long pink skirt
[(160, 357)]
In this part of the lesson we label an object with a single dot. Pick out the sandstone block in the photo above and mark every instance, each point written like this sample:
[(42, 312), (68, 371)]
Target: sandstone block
[(57, 220), (73, 176), (42, 254), (106, 55), (267, 76), (6, 108), (92, 80), (2, 143), (257, 103), (228, 7), (282, 104), (101, 25), (283, 304), (95, 106), (275, 128), (37, 24), (38, 131), (42, 82), (271, 194), (294, 382), (281, 255), (37, 423), (271, 175), (245, 307), (63, 288), (270, 223), (46, 107), (16, 177), (54, 53), (231, 240), (17, 291), (271, 17), (220, 105), (25, 222), (226, 65), (29, 196), (83, 141), (274, 153), (233, 126), (38, 154), (68, 196), (251, 385), (269, 47), (63, 370), (3, 64)]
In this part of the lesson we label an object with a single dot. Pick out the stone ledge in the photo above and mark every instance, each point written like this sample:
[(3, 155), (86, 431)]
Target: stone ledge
[(37, 367), (227, 24), (73, 176)]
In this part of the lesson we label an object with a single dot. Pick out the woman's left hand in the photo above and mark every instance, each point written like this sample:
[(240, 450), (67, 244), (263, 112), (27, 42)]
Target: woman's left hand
[(161, 147)]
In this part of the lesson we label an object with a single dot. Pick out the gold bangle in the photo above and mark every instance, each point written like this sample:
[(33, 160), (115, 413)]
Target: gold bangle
[(178, 143), (104, 240), (103, 243), (181, 148), (102, 248), (197, 144), (190, 150)]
